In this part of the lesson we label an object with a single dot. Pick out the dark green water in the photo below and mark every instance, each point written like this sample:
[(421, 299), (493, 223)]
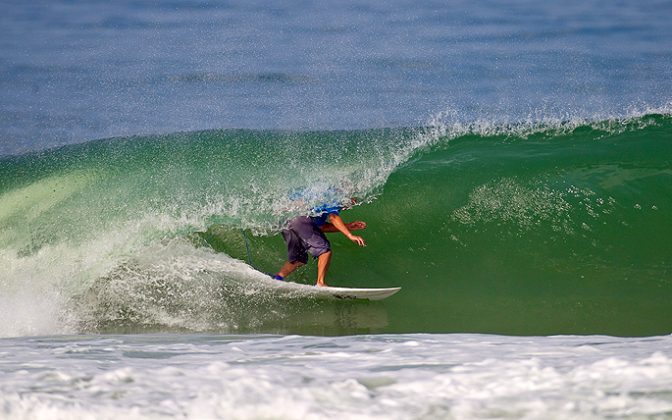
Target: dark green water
[(560, 229)]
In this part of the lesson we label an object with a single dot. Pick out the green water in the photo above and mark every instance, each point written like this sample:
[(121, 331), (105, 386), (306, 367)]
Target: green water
[(562, 229)]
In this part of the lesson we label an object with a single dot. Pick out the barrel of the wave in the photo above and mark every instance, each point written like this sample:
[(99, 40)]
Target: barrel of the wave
[(562, 229)]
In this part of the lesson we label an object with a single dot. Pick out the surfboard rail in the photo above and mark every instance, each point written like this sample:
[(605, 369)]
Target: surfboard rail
[(356, 292), (288, 288)]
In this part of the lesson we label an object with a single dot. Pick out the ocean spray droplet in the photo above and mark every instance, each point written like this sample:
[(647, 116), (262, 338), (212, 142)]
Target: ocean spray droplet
[(638, 207), (654, 207)]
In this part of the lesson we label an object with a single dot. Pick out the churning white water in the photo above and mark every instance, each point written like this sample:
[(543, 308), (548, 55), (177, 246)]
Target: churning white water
[(369, 376)]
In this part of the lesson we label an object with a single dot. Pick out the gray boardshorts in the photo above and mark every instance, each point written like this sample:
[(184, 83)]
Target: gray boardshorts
[(302, 236)]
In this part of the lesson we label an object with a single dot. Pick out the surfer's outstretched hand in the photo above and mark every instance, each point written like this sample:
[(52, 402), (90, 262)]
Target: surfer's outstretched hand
[(358, 240)]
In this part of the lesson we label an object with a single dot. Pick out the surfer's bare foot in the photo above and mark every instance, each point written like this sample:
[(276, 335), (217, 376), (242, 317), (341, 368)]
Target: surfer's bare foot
[(323, 284)]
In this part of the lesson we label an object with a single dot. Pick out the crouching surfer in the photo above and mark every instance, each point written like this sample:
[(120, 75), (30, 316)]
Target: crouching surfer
[(305, 234)]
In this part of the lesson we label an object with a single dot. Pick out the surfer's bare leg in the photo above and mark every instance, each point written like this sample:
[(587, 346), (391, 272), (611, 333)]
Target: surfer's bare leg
[(322, 267), (289, 267)]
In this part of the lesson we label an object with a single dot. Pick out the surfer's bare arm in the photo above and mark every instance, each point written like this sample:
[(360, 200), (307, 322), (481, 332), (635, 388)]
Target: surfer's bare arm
[(336, 221), (357, 225)]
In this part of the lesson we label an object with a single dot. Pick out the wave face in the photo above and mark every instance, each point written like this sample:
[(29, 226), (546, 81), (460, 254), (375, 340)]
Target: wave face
[(531, 228)]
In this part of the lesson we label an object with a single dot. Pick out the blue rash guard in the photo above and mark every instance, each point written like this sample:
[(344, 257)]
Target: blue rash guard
[(320, 214)]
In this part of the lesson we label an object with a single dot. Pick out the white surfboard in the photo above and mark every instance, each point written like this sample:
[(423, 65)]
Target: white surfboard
[(259, 281), (289, 289), (350, 292)]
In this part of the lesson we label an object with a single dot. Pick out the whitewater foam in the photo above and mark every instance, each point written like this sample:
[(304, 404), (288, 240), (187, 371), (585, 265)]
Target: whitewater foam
[(400, 376)]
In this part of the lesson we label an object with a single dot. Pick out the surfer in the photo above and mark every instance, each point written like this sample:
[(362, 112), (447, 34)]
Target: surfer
[(305, 234)]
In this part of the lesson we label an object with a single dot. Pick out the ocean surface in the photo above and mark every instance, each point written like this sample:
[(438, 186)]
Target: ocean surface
[(513, 162)]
